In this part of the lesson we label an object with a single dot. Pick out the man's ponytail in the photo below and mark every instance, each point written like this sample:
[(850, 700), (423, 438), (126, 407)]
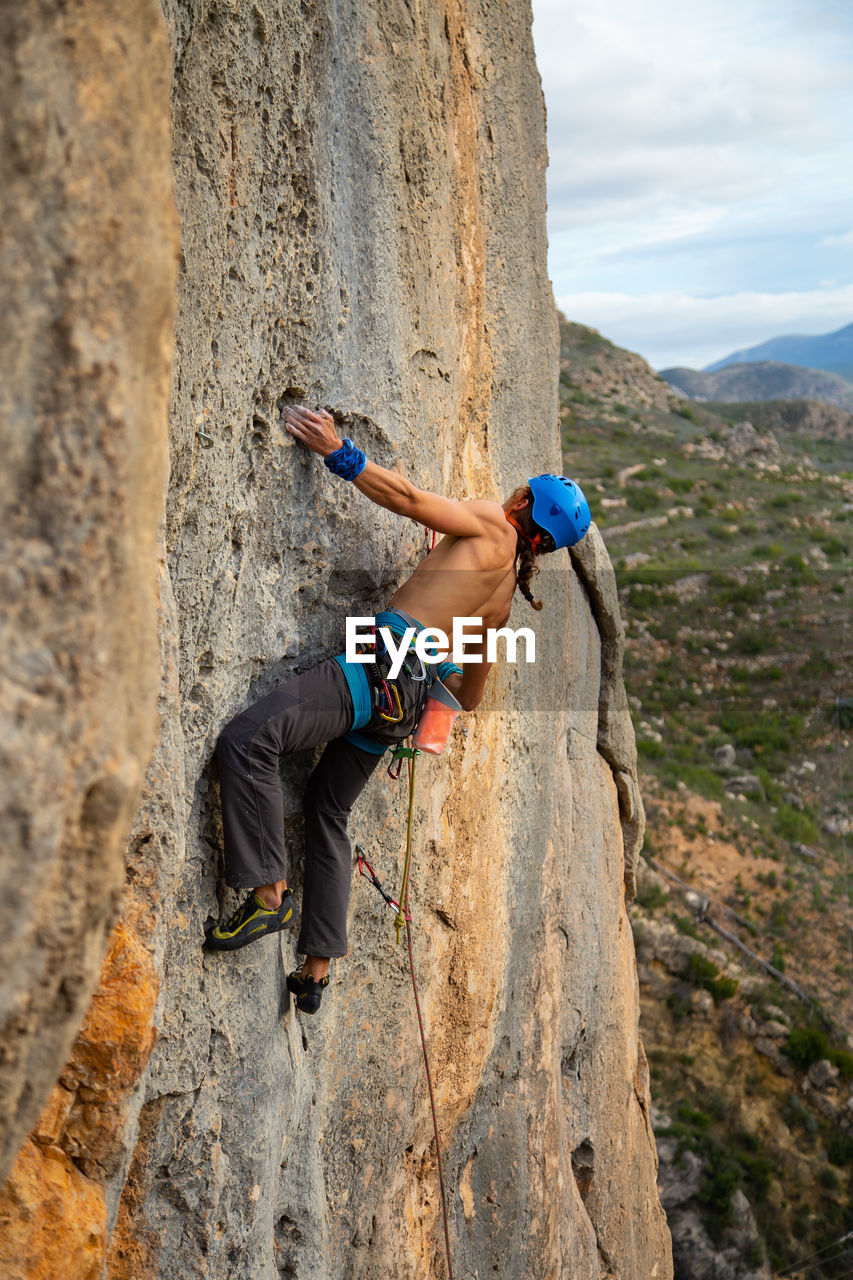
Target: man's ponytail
[(525, 568)]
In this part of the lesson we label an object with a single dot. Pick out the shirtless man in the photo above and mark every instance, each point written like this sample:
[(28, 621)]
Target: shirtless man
[(487, 550)]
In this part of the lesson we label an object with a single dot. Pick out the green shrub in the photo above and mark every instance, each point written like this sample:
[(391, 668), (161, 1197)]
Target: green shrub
[(765, 733), (703, 973), (685, 925), (650, 896), (700, 970), (720, 1180), (644, 498), (797, 1115), (778, 918), (755, 1256), (696, 777), (724, 988), (739, 593), (792, 824), (722, 533), (817, 665), (754, 642), (839, 1147), (693, 1117), (678, 1006), (806, 1045), (844, 1061)]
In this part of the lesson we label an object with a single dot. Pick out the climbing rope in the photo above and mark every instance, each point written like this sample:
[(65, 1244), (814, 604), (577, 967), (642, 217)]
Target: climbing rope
[(404, 917), (410, 755)]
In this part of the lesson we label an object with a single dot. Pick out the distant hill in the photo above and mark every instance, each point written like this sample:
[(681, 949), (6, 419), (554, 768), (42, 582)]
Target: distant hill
[(767, 380), (832, 352), (809, 418)]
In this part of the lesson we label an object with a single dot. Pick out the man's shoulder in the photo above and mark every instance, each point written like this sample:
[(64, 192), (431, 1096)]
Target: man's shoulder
[(491, 512)]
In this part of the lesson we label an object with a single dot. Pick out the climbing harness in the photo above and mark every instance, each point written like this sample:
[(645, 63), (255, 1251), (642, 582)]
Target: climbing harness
[(404, 919), (388, 706)]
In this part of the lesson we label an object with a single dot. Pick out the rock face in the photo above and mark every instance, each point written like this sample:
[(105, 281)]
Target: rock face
[(361, 195), (89, 265)]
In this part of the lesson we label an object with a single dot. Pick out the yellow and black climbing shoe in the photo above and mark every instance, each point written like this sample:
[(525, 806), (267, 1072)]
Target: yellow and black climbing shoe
[(249, 922), (308, 992)]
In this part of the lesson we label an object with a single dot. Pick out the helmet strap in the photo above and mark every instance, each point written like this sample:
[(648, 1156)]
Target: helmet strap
[(519, 529)]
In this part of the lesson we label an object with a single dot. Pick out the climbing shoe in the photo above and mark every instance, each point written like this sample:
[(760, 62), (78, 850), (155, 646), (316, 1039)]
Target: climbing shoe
[(308, 992), (249, 922)]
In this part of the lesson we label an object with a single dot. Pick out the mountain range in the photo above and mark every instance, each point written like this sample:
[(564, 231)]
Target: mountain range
[(765, 380), (832, 352)]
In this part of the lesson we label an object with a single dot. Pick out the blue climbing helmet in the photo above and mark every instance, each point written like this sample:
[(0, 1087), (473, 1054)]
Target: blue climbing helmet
[(559, 508)]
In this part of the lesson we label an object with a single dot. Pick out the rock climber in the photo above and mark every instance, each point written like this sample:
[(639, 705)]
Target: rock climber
[(487, 550)]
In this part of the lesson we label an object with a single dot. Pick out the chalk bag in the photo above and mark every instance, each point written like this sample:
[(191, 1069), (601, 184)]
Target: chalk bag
[(437, 720)]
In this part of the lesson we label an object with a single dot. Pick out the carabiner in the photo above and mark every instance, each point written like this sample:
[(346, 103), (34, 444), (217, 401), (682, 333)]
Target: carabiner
[(391, 718)]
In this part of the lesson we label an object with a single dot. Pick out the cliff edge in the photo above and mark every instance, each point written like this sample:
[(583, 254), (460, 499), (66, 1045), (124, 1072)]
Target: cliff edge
[(360, 190)]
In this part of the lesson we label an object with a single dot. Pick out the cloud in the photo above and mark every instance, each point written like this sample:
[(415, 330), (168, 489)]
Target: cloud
[(837, 242), (665, 107), (673, 328), (701, 171)]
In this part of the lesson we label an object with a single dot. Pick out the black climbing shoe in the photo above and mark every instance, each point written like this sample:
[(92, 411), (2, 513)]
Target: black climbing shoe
[(308, 992), (249, 922)]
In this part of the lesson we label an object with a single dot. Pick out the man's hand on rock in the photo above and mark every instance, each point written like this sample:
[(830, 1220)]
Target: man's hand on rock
[(316, 429)]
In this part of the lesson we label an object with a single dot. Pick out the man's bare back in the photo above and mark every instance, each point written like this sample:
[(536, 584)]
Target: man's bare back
[(465, 577), (470, 577)]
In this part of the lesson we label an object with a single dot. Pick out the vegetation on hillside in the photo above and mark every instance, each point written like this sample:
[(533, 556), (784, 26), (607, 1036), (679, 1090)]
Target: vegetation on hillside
[(732, 550)]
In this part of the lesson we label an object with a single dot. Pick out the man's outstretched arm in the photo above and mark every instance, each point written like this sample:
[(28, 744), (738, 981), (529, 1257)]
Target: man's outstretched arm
[(316, 430)]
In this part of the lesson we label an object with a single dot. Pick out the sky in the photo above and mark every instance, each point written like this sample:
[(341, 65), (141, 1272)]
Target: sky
[(700, 185)]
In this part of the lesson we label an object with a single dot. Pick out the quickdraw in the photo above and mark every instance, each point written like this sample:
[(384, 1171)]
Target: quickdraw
[(366, 870)]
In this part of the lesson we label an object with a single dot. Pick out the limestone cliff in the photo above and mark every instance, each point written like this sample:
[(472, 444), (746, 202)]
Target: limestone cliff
[(89, 265), (361, 198)]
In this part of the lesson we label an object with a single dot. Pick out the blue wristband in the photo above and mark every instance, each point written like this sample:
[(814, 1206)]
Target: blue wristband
[(348, 462), (446, 668)]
